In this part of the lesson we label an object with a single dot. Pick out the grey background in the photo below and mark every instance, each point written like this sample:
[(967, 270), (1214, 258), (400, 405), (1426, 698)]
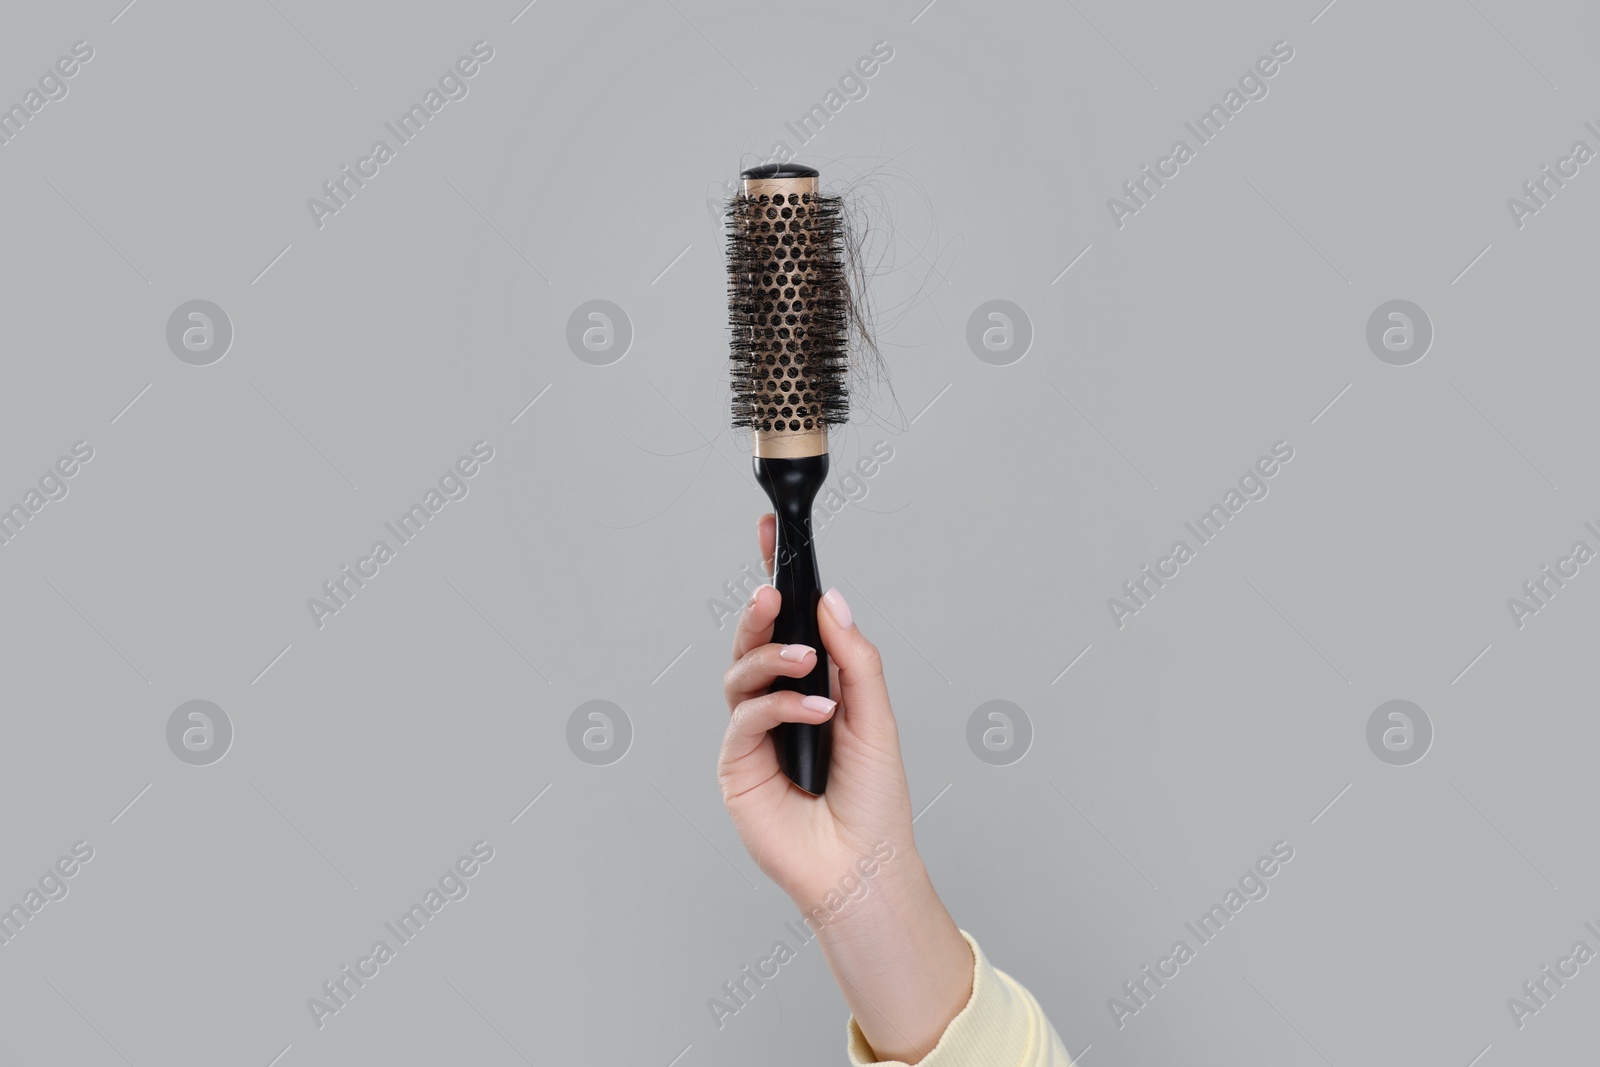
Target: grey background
[(370, 354)]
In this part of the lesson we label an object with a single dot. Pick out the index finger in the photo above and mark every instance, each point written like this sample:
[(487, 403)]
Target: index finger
[(755, 621), (755, 626), (767, 534)]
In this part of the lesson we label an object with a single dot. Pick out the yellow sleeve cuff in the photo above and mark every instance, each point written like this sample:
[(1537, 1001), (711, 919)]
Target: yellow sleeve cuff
[(1001, 1026)]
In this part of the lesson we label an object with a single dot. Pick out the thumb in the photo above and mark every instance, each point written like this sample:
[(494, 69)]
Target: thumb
[(862, 689)]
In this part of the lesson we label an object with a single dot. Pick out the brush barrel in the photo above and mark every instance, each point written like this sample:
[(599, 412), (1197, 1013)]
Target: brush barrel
[(792, 484)]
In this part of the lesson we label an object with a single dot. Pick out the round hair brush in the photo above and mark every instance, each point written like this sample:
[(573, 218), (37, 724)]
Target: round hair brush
[(789, 307)]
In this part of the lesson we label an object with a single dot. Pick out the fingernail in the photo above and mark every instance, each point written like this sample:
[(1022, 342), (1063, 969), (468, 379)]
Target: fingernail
[(838, 608), (816, 703), (795, 653), (756, 596)]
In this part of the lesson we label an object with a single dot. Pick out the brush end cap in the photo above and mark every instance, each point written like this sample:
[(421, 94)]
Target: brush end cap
[(804, 752), (780, 170)]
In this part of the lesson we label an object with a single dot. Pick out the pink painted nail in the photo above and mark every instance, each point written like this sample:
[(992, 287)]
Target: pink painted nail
[(795, 653), (816, 703), (838, 608)]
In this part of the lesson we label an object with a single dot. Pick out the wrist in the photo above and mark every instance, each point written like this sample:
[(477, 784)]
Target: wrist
[(900, 961), (871, 872)]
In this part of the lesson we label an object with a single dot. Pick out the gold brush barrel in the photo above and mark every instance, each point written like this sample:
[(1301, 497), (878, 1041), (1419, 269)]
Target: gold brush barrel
[(786, 418)]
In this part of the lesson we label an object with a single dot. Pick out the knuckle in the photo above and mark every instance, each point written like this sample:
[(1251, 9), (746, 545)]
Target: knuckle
[(743, 713)]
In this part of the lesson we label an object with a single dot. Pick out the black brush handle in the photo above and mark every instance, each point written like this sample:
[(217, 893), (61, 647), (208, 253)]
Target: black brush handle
[(792, 485)]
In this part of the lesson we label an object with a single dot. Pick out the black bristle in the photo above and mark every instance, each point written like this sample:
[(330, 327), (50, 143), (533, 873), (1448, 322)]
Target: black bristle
[(789, 309)]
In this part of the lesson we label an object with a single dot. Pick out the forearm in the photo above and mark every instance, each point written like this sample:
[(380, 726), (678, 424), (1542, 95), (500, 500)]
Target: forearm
[(901, 962)]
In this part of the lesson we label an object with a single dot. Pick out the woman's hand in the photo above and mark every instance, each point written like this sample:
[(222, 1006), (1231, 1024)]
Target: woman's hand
[(901, 962), (807, 843)]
